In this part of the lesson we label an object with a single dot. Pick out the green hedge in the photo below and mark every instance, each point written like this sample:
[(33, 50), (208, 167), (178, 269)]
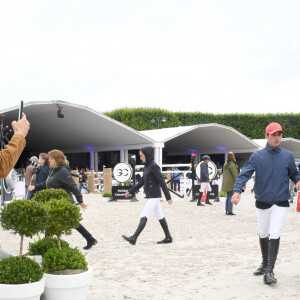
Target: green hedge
[(251, 125)]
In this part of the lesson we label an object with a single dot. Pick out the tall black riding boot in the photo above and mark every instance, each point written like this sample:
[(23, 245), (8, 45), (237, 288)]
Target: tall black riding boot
[(168, 238), (264, 248), (207, 199), (132, 239), (199, 199), (272, 256)]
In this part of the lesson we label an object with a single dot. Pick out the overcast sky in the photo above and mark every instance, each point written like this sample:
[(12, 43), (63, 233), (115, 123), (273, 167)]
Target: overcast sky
[(188, 55)]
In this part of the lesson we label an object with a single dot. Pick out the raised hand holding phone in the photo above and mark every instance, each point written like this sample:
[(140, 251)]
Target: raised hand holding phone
[(20, 110), (22, 126)]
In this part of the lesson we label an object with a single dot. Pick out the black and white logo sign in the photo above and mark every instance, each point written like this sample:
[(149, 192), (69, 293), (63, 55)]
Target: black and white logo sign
[(212, 170), (122, 172)]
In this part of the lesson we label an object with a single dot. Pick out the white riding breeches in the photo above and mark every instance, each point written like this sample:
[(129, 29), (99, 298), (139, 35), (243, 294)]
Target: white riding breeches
[(205, 185), (153, 205), (270, 221)]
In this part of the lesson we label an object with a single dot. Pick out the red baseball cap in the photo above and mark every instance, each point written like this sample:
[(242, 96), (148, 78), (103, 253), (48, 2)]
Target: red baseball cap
[(273, 127)]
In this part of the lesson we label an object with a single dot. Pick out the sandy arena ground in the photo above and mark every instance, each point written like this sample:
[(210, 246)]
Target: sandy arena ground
[(212, 255)]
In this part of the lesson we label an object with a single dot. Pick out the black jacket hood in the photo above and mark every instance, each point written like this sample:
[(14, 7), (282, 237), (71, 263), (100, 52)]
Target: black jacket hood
[(149, 153)]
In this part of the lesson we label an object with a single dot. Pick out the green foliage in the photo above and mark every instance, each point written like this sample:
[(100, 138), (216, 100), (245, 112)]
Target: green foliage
[(41, 246), (24, 217), (106, 194), (140, 118), (128, 183), (251, 125), (64, 216), (45, 195), (67, 258), (222, 194), (15, 271)]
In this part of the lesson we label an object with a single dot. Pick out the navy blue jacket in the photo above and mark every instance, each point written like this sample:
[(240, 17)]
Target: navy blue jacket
[(152, 179), (273, 169), (204, 176), (41, 174)]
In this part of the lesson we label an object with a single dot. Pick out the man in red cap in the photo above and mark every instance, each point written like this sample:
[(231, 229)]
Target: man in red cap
[(274, 166)]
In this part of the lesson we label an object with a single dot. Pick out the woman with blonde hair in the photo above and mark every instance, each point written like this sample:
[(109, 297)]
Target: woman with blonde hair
[(230, 173), (61, 178)]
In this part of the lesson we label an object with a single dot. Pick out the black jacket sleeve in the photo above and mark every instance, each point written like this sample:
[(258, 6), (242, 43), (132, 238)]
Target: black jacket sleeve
[(137, 186), (39, 187), (70, 184), (161, 181)]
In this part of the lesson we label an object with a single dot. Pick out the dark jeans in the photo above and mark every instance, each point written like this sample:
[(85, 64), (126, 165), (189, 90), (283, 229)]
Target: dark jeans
[(177, 185), (228, 205), (83, 185)]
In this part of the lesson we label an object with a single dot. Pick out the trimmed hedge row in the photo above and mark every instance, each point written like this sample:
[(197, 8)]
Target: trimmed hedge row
[(251, 125)]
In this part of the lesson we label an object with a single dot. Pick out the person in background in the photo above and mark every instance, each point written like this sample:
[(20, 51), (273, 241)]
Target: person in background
[(204, 181), (29, 175), (83, 180), (177, 179), (230, 173), (11, 153), (60, 178), (42, 172), (273, 166)]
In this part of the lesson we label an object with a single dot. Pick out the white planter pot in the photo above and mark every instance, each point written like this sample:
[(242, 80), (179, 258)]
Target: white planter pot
[(222, 199), (106, 199), (27, 291), (68, 287)]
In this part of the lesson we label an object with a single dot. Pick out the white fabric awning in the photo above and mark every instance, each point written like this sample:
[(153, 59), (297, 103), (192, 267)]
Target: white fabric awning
[(203, 138), (81, 130)]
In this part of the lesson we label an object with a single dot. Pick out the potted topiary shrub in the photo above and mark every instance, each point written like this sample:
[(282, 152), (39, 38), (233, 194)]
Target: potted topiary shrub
[(41, 246), (106, 196), (22, 277), (66, 271)]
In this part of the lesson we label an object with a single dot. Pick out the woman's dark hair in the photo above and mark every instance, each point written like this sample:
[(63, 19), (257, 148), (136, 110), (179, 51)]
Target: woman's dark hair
[(45, 157)]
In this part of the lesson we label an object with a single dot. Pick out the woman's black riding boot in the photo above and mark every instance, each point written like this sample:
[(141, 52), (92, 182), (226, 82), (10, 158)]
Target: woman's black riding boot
[(199, 200), (132, 239), (272, 256), (264, 248), (168, 238), (207, 199)]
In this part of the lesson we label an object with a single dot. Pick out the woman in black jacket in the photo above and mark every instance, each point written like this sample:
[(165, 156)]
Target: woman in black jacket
[(152, 181), (61, 178), (42, 172)]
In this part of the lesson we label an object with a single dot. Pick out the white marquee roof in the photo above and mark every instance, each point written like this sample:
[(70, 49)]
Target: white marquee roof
[(203, 138), (81, 130)]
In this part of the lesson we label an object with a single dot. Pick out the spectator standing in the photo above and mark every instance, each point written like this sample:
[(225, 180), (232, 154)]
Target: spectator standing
[(230, 173), (29, 173), (177, 179), (204, 181), (42, 172)]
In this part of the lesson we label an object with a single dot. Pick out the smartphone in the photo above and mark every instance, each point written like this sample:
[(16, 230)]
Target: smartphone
[(20, 110)]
